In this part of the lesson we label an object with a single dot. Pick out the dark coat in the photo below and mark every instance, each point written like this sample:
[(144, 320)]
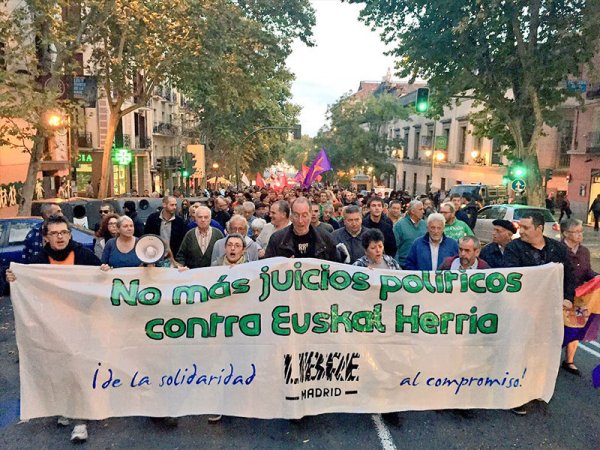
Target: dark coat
[(492, 255), (178, 229), (481, 264), (83, 256), (521, 254), (281, 243), (138, 225), (384, 225)]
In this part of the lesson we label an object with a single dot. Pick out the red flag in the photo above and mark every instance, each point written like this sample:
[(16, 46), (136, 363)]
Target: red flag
[(260, 181), (283, 181)]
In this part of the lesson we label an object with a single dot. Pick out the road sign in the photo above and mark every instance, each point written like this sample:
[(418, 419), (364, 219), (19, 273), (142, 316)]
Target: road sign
[(518, 185)]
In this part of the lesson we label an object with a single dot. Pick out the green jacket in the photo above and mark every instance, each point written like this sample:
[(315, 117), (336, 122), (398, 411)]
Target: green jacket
[(406, 232), (189, 253), (457, 230)]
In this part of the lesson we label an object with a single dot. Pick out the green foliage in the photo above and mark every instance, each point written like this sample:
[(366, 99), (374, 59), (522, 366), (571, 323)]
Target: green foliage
[(510, 57), (357, 134), (239, 83)]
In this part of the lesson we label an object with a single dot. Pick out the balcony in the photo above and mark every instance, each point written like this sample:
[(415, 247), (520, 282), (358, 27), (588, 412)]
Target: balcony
[(165, 129), (564, 160), (84, 140), (143, 142), (593, 142)]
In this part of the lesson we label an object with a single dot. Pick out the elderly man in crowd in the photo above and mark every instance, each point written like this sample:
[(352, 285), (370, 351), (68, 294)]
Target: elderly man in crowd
[(221, 211), (377, 220), (167, 224), (301, 239), (327, 211), (469, 249), (248, 209), (455, 228), (493, 253), (429, 251), (280, 218), (315, 222), (34, 241), (408, 229), (197, 246), (238, 225), (350, 235), (395, 211)]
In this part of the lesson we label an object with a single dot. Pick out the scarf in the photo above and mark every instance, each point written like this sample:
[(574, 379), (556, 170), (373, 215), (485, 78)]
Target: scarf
[(59, 255)]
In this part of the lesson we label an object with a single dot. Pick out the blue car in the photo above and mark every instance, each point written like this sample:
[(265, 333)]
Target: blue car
[(12, 240)]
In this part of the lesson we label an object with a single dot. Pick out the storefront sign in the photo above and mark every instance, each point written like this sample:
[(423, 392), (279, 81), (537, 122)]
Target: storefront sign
[(122, 156)]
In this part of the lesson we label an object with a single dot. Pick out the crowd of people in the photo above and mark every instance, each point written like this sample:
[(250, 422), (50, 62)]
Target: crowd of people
[(392, 232)]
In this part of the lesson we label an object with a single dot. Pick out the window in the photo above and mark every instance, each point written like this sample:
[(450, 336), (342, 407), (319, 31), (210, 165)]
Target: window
[(414, 184), (404, 180), (496, 151), (443, 184), (492, 212), (18, 232), (417, 143)]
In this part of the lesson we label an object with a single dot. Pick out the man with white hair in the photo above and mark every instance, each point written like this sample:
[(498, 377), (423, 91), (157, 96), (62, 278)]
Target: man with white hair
[(197, 246), (428, 252), (280, 218), (408, 229), (238, 224), (248, 209)]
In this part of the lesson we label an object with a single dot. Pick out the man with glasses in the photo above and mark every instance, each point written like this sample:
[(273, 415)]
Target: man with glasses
[(237, 225), (455, 228), (61, 249), (105, 208), (301, 239)]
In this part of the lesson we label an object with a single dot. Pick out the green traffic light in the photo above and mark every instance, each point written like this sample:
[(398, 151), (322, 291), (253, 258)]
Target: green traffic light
[(519, 171), (185, 174), (422, 107)]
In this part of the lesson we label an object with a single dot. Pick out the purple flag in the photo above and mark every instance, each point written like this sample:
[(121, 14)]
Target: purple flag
[(320, 164)]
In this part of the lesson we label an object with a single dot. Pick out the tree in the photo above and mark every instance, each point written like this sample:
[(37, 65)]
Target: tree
[(510, 57), (240, 83), (39, 41), (140, 46), (357, 134)]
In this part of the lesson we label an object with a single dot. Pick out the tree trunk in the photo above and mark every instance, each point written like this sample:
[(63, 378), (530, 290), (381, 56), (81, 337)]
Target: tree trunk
[(534, 189), (32, 172), (113, 123)]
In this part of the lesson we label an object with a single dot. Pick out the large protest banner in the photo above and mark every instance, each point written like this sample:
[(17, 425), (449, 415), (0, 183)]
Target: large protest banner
[(283, 338)]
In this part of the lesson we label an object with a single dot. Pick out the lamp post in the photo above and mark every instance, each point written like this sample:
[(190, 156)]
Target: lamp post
[(438, 156), (215, 166)]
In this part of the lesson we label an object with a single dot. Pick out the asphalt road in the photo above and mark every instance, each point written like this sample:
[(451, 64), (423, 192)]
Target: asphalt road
[(570, 421)]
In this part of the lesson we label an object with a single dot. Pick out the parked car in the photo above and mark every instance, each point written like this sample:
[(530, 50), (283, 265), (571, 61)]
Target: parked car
[(12, 240), (486, 215), (490, 194)]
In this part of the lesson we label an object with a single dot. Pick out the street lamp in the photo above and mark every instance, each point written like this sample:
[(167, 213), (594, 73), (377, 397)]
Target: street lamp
[(438, 156), (215, 166), (477, 159)]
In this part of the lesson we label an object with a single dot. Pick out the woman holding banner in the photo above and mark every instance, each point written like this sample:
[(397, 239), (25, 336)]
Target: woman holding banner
[(572, 233), (120, 251)]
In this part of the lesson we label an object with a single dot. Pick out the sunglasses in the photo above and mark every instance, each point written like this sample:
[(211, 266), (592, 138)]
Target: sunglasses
[(104, 211)]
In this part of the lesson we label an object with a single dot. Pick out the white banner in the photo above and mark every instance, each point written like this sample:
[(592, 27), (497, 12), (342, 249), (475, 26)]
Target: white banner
[(283, 338)]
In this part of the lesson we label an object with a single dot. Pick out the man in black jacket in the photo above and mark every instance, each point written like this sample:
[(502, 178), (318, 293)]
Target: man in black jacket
[(301, 239), (167, 224), (138, 225), (376, 219), (535, 249)]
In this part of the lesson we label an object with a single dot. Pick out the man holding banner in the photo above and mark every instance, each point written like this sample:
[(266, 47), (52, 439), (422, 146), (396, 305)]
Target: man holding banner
[(535, 249)]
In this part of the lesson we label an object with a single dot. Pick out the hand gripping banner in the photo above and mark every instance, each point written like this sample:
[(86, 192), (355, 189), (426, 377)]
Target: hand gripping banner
[(283, 338)]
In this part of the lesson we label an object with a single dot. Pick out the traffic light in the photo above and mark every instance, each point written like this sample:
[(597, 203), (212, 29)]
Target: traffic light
[(184, 173), (517, 170), (549, 173), (159, 164), (178, 163), (422, 101)]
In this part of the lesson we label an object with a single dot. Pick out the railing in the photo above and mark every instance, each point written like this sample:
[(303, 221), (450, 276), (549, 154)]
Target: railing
[(143, 142), (564, 160), (593, 142), (84, 140), (165, 128)]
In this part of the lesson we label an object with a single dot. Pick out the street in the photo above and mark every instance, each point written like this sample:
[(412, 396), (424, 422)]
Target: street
[(570, 421)]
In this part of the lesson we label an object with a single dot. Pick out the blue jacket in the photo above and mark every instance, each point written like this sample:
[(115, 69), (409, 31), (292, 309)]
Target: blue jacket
[(419, 255)]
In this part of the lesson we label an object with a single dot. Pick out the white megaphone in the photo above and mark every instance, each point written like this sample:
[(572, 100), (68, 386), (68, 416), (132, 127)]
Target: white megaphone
[(150, 248)]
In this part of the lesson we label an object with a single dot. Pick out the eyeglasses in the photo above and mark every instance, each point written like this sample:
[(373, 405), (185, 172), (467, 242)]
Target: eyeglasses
[(59, 233), (112, 223), (105, 211)]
